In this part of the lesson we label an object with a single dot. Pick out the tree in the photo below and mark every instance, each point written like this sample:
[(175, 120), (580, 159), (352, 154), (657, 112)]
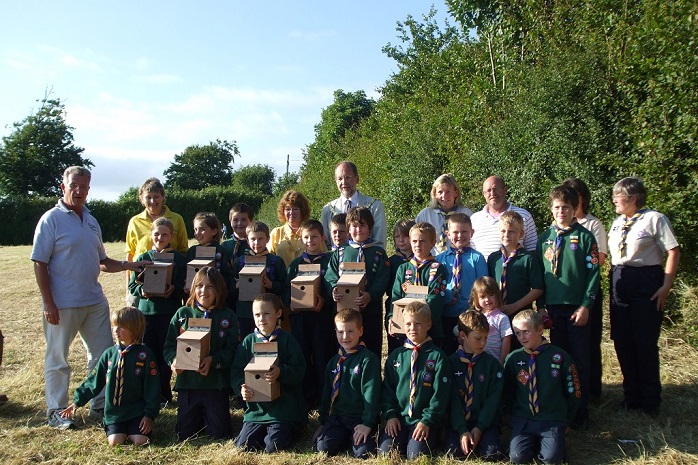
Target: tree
[(34, 156), (202, 166), (254, 179), (285, 182)]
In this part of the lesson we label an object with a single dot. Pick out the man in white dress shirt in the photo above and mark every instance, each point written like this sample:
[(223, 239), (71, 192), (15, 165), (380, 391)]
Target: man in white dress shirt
[(346, 175)]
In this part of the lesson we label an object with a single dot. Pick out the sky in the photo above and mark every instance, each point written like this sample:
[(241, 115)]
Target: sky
[(141, 81)]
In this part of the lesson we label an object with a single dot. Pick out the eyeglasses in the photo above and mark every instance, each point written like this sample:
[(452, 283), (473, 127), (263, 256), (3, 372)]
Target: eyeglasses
[(292, 210)]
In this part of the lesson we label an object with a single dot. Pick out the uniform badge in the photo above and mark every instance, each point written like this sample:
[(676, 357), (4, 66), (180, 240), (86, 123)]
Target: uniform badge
[(142, 355), (153, 372), (221, 334), (397, 364), (481, 378), (428, 378), (555, 373), (458, 373), (225, 324), (557, 358), (574, 246), (431, 365), (153, 364), (356, 370), (434, 265), (140, 364), (549, 254), (138, 371), (523, 377)]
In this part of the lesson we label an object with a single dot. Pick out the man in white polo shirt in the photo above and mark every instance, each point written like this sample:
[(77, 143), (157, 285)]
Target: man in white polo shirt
[(346, 175), (68, 255), (486, 238)]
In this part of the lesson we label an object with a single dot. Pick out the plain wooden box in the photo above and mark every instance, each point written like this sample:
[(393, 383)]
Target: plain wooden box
[(194, 344), (351, 283), (265, 355), (250, 279), (412, 294), (305, 287), (193, 267), (158, 276)]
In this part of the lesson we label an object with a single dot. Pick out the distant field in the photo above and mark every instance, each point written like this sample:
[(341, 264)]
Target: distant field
[(25, 438)]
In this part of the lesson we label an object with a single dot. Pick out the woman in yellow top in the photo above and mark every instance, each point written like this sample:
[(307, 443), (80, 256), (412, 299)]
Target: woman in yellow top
[(285, 241), (138, 240)]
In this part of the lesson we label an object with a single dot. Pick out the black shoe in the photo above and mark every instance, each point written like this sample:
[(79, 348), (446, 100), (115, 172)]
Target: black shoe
[(624, 406), (581, 420)]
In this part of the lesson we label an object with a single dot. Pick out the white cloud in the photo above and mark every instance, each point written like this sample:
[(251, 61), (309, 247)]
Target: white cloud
[(311, 35)]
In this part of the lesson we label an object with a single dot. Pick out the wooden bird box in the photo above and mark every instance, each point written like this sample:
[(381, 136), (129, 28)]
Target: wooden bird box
[(203, 256), (158, 275), (194, 344), (265, 355), (351, 283), (250, 279), (412, 294), (305, 287)]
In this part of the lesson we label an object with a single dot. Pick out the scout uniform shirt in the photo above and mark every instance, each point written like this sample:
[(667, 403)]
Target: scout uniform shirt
[(648, 240), (289, 407), (488, 383), (524, 273), (323, 260), (275, 271), (577, 280), (221, 260), (224, 341), (433, 386), (235, 248), (559, 390), (359, 389), (141, 381), (433, 275), (473, 266), (161, 305), (377, 273)]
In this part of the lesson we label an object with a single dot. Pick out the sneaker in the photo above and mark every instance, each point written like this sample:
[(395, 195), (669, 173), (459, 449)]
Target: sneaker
[(55, 420)]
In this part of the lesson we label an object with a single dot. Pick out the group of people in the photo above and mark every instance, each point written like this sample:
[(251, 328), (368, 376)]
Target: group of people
[(471, 345)]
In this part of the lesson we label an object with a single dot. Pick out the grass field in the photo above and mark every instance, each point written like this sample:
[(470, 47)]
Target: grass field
[(25, 438)]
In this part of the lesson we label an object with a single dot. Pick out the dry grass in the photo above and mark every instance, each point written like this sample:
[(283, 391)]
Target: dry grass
[(613, 438)]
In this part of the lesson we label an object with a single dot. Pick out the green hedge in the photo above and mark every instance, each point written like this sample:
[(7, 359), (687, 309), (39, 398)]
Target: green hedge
[(22, 214)]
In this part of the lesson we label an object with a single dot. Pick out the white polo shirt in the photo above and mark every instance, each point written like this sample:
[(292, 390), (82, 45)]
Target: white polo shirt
[(486, 236), (72, 248)]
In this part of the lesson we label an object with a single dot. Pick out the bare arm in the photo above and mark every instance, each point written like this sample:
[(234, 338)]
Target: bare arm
[(670, 269), (109, 265), (43, 281)]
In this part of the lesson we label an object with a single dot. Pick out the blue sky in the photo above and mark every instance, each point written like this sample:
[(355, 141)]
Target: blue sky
[(141, 81)]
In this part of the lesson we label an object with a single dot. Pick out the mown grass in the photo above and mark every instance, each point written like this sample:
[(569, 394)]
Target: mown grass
[(631, 438)]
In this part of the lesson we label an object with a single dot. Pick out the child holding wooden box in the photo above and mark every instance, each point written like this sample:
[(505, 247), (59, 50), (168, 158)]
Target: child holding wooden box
[(203, 391), (270, 425)]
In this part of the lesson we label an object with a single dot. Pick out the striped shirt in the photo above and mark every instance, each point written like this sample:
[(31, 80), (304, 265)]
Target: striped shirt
[(486, 237)]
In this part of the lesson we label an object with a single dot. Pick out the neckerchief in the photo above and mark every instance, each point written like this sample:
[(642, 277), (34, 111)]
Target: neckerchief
[(238, 243), (629, 222), (402, 255), (413, 370), (272, 337), (119, 388), (201, 308), (166, 249), (307, 258), (443, 236), (457, 265), (533, 380), (343, 355), (470, 360), (506, 259), (260, 254), (419, 266), (361, 245), (557, 248)]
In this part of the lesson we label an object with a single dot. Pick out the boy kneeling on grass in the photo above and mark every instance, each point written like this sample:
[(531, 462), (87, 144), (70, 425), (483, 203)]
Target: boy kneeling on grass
[(128, 371), (351, 396)]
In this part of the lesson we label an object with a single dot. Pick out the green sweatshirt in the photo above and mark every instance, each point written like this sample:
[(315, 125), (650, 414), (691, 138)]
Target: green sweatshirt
[(433, 386), (224, 341), (359, 388), (292, 272), (524, 273), (577, 280), (276, 272), (141, 395), (161, 305), (289, 407), (433, 275), (377, 273), (558, 385), (488, 383)]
